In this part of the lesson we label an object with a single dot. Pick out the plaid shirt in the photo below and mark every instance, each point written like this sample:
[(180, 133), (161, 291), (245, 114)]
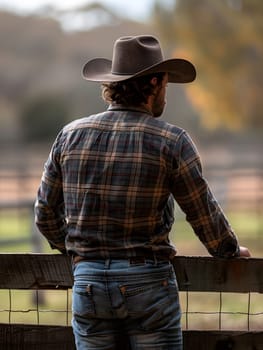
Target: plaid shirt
[(105, 190)]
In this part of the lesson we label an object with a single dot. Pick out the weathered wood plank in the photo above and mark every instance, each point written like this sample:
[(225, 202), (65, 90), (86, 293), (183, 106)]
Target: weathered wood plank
[(222, 340), (35, 271), (32, 337), (47, 271), (207, 274)]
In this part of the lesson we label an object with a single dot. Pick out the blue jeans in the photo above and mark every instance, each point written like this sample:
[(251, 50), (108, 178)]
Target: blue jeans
[(113, 298)]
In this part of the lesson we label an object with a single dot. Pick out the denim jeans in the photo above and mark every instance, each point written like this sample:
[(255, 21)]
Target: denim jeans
[(113, 298)]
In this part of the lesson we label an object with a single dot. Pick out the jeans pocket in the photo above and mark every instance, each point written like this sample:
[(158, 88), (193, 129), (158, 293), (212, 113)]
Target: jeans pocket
[(155, 306), (82, 301)]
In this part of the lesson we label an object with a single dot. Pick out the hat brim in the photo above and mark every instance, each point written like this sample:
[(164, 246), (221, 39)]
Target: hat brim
[(179, 71)]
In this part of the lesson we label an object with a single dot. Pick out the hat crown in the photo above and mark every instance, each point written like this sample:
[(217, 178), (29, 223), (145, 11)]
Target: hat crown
[(132, 54), (135, 56)]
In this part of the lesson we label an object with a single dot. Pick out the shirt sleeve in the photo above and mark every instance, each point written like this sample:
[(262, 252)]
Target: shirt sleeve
[(49, 205), (192, 193)]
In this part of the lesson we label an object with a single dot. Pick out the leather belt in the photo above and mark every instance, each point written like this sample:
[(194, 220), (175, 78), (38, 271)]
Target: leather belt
[(135, 260)]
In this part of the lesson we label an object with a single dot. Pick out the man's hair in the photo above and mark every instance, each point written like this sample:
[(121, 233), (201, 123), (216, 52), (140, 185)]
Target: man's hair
[(132, 92)]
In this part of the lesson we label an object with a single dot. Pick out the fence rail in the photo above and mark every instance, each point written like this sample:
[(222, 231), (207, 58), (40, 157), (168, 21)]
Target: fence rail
[(205, 274)]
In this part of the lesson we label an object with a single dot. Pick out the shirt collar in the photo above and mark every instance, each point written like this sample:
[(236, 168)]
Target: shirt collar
[(117, 107)]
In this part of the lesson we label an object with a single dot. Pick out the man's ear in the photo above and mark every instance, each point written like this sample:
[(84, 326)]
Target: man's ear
[(154, 81)]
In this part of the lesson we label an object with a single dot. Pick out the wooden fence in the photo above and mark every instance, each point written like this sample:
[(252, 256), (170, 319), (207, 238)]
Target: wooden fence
[(202, 274)]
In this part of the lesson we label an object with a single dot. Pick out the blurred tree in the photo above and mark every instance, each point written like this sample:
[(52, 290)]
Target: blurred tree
[(42, 117), (224, 41), (38, 58)]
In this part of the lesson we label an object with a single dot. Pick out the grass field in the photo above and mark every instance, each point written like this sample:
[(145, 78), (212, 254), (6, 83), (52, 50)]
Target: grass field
[(16, 229), (200, 310)]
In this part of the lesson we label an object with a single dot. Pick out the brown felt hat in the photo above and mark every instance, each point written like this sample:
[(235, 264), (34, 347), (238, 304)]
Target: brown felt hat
[(135, 56)]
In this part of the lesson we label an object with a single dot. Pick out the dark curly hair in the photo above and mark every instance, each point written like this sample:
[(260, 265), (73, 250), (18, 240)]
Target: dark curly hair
[(132, 92)]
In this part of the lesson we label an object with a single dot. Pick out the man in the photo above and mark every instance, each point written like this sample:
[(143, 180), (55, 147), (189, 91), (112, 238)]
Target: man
[(106, 198)]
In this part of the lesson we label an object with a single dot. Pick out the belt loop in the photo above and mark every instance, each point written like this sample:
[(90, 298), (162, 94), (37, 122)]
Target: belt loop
[(155, 259), (73, 262), (107, 263)]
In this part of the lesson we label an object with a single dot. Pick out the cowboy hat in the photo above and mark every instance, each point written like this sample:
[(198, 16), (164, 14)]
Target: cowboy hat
[(135, 56)]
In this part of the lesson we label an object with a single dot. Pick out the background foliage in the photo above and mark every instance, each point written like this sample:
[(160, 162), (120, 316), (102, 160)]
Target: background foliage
[(40, 62), (224, 40)]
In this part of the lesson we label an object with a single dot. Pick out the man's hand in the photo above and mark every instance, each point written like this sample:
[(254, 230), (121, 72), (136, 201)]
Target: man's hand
[(244, 252)]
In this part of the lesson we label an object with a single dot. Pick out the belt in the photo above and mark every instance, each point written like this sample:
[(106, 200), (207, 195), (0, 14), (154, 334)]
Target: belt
[(135, 260)]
